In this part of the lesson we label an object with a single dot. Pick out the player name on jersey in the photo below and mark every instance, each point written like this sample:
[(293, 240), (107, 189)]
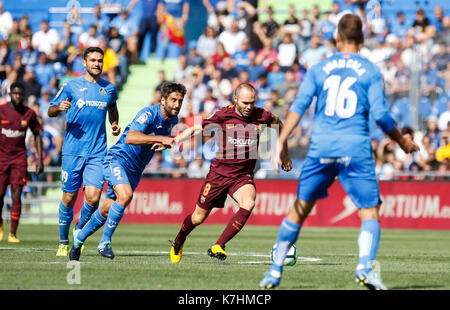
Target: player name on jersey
[(344, 63)]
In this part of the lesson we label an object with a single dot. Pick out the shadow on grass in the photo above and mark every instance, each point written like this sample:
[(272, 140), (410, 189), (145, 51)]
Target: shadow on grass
[(417, 287)]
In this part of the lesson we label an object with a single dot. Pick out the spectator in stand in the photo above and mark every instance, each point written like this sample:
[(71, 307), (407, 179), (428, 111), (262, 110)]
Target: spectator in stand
[(291, 24), (306, 31), (287, 52), (326, 27), (314, 53), (45, 39), (276, 76), (128, 30), (171, 39), (263, 90), (219, 55), (433, 132), (240, 57), (207, 42), (378, 22), (90, 38), (198, 168), (267, 56), (400, 87), (228, 70), (117, 43), (222, 88), (18, 66), (14, 36), (438, 18), (100, 20), (10, 78), (161, 79), (110, 63), (45, 74), (149, 22), (254, 69), (335, 13), (288, 83), (270, 26), (183, 71), (112, 6), (232, 38), (6, 58), (193, 58), (420, 25), (69, 39), (6, 21), (32, 86), (400, 27)]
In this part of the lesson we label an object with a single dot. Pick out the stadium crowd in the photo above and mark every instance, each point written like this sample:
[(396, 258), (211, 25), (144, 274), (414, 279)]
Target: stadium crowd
[(242, 42)]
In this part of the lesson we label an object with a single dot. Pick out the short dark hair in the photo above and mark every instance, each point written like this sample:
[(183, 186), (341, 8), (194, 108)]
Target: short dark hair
[(244, 85), (17, 85), (171, 87), (92, 49), (350, 29)]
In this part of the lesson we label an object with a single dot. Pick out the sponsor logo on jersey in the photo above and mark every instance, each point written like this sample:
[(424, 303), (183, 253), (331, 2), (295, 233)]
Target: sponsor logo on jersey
[(83, 89), (4, 121), (80, 103), (24, 123), (241, 141), (103, 91), (91, 103), (13, 133)]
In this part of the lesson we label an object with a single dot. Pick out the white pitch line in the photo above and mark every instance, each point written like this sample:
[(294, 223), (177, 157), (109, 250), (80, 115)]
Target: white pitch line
[(237, 254)]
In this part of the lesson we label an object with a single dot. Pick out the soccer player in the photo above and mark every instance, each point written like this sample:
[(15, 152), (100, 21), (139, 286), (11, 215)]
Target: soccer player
[(123, 166), (85, 100), (15, 119), (231, 173), (348, 87)]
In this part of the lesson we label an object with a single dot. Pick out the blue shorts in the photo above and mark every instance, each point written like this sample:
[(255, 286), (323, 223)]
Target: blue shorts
[(116, 173), (76, 170), (356, 174)]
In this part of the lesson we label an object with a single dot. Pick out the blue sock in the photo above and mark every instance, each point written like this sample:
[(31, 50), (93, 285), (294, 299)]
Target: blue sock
[(368, 241), (96, 221), (85, 215), (287, 236), (114, 216), (65, 217)]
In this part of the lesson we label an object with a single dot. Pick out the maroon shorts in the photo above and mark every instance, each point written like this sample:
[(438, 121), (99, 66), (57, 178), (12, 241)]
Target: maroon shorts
[(14, 174), (216, 188)]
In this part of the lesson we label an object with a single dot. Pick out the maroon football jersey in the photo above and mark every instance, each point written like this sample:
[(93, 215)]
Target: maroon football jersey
[(237, 138), (13, 129)]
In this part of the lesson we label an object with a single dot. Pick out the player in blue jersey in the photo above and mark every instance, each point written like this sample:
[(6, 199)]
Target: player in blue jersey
[(85, 101), (125, 162), (348, 88)]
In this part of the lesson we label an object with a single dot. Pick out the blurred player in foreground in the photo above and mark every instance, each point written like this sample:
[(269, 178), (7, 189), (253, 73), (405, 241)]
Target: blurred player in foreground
[(85, 100), (348, 87), (231, 172), (125, 162), (15, 119)]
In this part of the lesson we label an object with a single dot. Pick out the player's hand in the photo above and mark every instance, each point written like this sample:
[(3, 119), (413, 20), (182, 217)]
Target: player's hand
[(277, 157), (39, 167), (158, 147), (286, 164), (408, 146), (115, 129), (65, 105)]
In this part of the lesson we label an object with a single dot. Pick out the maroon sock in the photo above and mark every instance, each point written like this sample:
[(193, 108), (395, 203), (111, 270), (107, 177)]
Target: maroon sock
[(234, 226), (185, 230), (16, 209)]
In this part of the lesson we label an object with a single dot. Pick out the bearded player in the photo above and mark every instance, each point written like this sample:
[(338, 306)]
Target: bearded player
[(348, 88), (85, 100), (15, 119), (125, 162), (231, 172)]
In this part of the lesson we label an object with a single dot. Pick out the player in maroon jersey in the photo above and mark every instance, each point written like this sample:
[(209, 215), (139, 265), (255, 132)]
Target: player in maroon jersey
[(231, 173), (15, 119)]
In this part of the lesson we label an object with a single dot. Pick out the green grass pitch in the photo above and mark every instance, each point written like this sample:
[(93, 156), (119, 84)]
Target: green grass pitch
[(408, 260)]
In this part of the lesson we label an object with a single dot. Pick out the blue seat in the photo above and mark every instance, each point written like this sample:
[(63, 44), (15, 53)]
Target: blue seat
[(425, 107), (441, 104), (400, 111)]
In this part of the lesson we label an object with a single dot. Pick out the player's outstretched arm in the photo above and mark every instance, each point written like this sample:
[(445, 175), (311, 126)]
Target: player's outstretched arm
[(188, 133), (286, 163), (405, 143), (113, 115), (135, 137), (281, 148), (54, 110), (39, 148)]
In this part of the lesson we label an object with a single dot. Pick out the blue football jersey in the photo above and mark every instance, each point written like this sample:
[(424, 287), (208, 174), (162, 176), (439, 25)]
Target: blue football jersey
[(85, 130), (149, 121), (348, 87)]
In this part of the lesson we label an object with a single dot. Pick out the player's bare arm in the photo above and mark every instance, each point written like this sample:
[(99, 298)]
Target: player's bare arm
[(188, 133), (39, 148), (286, 163), (291, 122), (113, 115), (405, 143), (135, 137), (54, 111)]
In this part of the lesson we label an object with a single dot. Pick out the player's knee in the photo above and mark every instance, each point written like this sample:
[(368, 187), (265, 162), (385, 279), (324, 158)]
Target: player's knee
[(248, 205), (125, 198), (92, 201), (198, 218)]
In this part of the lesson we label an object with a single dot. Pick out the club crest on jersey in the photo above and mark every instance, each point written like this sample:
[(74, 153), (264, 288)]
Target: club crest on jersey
[(24, 123), (103, 91)]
